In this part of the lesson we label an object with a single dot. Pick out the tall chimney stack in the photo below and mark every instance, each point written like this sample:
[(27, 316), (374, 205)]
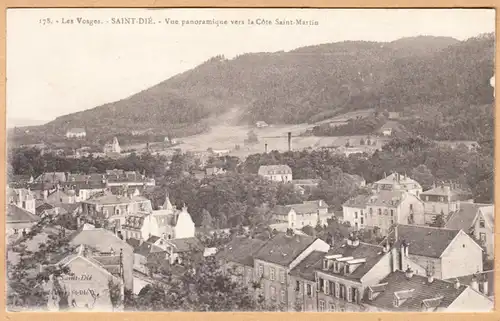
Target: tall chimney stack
[(266, 148), (289, 141)]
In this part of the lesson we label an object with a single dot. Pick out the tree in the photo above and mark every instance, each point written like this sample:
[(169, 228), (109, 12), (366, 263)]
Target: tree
[(206, 219), (438, 221), (115, 294)]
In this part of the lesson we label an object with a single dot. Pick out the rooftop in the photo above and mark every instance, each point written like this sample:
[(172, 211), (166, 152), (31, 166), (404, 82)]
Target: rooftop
[(305, 269), (413, 292), (464, 217), (396, 178), (108, 199), (240, 250), (282, 249), (274, 169), (488, 276), (426, 241), (16, 214), (307, 207), (358, 201)]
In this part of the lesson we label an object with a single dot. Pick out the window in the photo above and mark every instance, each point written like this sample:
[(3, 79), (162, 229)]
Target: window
[(337, 290), (481, 223), (309, 290), (325, 264), (327, 287), (356, 225), (321, 306), (349, 294), (282, 276), (16, 231), (392, 212), (411, 207), (482, 237), (297, 286), (379, 211), (355, 215), (434, 208), (354, 295), (342, 309), (396, 302), (332, 288), (342, 291), (271, 274), (392, 222), (261, 270), (331, 307), (441, 199), (362, 221), (319, 284), (371, 211), (272, 291)]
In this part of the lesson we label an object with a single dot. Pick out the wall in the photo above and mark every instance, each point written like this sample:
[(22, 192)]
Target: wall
[(139, 283), (425, 261), (462, 257), (300, 298), (404, 210), (267, 283), (379, 271), (340, 304), (471, 301), (489, 233), (88, 279), (350, 216)]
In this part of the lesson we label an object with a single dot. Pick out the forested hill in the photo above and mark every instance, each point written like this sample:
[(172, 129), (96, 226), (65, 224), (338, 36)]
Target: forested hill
[(308, 83)]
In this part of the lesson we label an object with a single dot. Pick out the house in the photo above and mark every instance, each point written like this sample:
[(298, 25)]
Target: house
[(110, 209), (112, 148), (443, 200), (89, 284), (261, 124), (482, 282), (397, 182), (483, 229), (304, 186), (408, 292), (60, 196), (384, 209), (104, 241), (393, 115), (276, 258), (346, 271), (300, 215), (359, 181), (211, 171), (145, 254), (389, 128), (167, 222), (19, 221), (471, 145), (51, 178), (236, 258), (23, 198), (278, 173), (444, 252), (76, 133), (303, 295)]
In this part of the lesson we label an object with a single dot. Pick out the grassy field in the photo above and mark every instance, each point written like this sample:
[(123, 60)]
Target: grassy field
[(224, 135)]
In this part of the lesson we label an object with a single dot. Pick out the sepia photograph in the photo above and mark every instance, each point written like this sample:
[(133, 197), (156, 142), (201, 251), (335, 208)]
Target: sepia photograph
[(287, 160)]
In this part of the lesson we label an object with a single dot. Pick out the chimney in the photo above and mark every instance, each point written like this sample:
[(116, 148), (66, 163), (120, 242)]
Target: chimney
[(430, 278), (386, 247), (474, 284), (289, 141), (485, 285), (406, 248), (265, 148), (457, 284)]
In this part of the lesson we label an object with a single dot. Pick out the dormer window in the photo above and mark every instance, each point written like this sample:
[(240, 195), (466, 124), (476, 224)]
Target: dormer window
[(481, 223), (325, 264)]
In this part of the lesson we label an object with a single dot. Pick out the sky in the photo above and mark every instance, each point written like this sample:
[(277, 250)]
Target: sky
[(57, 69)]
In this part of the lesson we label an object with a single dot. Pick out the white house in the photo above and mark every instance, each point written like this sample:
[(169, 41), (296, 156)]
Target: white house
[(76, 133), (278, 173), (398, 182)]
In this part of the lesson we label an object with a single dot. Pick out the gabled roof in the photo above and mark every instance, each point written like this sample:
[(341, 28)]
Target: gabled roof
[(439, 293), (282, 249), (464, 217), (386, 198), (43, 207), (146, 248), (133, 242), (101, 239), (426, 241), (240, 250), (305, 269), (16, 214), (274, 169), (358, 201), (488, 213)]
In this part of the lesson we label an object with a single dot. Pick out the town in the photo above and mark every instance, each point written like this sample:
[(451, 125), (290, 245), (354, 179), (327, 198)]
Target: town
[(271, 235)]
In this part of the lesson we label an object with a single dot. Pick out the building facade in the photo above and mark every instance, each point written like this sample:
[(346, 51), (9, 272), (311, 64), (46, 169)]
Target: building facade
[(277, 173)]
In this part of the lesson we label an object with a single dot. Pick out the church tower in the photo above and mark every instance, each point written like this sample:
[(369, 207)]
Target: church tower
[(116, 146), (184, 227)]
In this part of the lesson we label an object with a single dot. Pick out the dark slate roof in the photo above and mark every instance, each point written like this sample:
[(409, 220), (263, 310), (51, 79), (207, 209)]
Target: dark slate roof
[(443, 292), (43, 207), (372, 254), (305, 269), (146, 248), (464, 217), (240, 250), (186, 244), (488, 276), (282, 249), (134, 242), (100, 239), (359, 201), (426, 241), (16, 214), (152, 239)]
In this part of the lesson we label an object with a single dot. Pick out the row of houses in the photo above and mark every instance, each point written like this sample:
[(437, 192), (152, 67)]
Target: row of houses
[(416, 269)]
